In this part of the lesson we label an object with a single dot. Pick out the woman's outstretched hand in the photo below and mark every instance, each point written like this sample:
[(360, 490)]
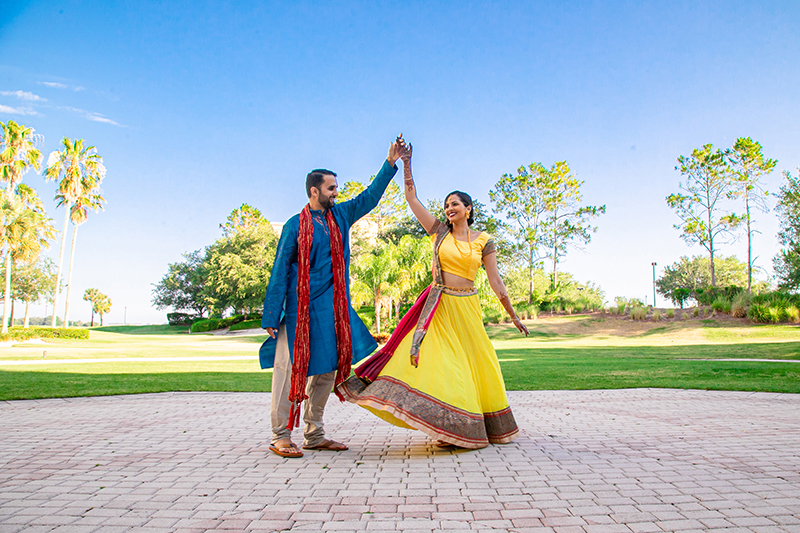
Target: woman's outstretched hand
[(520, 326), (404, 150)]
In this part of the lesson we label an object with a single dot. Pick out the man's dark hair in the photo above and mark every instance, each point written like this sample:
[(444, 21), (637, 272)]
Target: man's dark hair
[(316, 177)]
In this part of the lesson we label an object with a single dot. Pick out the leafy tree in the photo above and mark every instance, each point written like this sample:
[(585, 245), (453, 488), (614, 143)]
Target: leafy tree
[(748, 166), (787, 261), (566, 221), (372, 274), (79, 171), (32, 283), (708, 183), (685, 279), (182, 288), (238, 265), (522, 199)]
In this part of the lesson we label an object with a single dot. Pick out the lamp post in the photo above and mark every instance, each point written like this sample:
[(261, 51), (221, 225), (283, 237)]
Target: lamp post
[(654, 283)]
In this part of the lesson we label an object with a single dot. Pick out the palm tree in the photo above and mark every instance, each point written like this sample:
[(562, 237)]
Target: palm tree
[(102, 306), (79, 212), (80, 171), (24, 231), (92, 295), (18, 154)]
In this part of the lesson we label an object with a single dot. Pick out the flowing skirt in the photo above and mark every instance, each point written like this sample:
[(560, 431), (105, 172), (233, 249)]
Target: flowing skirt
[(456, 394)]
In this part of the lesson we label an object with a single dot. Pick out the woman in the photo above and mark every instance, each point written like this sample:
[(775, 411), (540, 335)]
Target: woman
[(439, 372)]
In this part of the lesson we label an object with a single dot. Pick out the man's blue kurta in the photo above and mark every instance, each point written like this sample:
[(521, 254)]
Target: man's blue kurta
[(280, 303)]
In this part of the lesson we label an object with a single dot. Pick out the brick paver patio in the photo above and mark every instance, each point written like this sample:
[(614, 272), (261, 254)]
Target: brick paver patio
[(618, 461)]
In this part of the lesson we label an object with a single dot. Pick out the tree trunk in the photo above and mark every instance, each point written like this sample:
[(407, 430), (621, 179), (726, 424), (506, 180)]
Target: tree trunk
[(69, 275), (530, 276), (26, 322), (377, 316), (11, 319), (749, 242), (101, 319), (60, 264), (7, 303), (92, 324)]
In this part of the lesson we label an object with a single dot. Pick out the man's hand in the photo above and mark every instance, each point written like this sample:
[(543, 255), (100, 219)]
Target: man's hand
[(272, 332), (395, 150)]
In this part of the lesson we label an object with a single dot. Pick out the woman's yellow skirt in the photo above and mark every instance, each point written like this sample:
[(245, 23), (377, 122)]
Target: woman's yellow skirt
[(456, 394)]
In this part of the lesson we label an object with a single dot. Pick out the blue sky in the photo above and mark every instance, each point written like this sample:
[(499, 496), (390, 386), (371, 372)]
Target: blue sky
[(198, 107)]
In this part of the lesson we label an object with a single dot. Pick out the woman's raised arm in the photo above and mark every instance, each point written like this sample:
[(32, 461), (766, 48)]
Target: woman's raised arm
[(427, 220)]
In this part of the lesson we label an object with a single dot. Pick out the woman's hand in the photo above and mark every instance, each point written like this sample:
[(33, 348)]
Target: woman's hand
[(404, 150), (520, 326)]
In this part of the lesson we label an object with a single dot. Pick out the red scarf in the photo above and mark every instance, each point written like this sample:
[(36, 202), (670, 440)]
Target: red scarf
[(341, 308)]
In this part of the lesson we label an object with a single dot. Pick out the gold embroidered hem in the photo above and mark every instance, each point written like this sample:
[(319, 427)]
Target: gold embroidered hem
[(398, 404), (456, 393)]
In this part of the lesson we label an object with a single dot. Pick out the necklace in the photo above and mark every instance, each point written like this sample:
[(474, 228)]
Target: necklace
[(469, 247)]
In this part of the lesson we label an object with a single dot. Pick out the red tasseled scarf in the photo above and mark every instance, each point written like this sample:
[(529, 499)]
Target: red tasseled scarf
[(302, 351)]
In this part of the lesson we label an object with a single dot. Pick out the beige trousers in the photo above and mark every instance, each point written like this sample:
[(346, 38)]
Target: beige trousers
[(318, 388)]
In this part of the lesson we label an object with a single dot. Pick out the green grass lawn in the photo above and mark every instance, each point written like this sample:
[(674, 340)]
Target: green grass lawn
[(577, 352)]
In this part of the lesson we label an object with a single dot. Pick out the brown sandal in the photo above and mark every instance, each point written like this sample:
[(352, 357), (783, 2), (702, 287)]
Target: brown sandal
[(327, 444), (279, 450)]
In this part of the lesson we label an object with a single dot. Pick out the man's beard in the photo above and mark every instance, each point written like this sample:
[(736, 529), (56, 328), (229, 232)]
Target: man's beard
[(326, 201)]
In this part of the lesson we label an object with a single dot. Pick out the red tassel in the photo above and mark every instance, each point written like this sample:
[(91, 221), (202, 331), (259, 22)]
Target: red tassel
[(294, 416)]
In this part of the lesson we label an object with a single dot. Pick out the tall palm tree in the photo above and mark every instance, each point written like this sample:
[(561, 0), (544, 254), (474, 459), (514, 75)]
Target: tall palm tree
[(80, 171), (79, 212), (18, 154)]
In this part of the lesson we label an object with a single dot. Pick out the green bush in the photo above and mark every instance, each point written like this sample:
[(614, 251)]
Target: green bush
[(638, 312), (246, 324), (491, 316), (720, 304), (758, 313), (656, 315), (18, 333), (792, 314), (180, 319), (670, 313)]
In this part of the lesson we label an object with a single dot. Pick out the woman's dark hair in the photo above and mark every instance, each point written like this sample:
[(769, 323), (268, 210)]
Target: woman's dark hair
[(316, 177), (466, 199)]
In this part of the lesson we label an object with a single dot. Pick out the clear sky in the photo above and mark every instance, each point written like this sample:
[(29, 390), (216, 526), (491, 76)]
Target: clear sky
[(198, 107)]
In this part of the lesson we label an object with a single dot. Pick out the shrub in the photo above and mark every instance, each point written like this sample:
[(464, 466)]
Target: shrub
[(792, 314), (720, 304), (18, 333), (491, 316), (180, 319), (758, 313), (656, 315), (670, 313), (246, 324), (638, 312), (696, 311)]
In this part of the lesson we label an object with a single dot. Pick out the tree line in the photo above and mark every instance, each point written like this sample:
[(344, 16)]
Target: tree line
[(536, 215), (721, 193), (25, 228)]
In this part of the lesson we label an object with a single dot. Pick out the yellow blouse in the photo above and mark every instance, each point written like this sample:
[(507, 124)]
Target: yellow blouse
[(463, 258)]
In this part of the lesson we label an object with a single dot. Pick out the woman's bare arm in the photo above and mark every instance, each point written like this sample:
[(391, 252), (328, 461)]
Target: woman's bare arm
[(499, 288), (427, 220)]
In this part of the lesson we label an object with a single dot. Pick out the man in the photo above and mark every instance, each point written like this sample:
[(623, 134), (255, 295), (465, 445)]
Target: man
[(315, 335)]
